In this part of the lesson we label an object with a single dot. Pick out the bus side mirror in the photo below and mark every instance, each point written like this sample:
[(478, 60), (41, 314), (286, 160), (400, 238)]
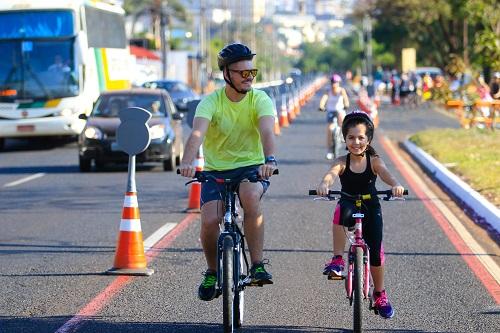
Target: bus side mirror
[(81, 45)]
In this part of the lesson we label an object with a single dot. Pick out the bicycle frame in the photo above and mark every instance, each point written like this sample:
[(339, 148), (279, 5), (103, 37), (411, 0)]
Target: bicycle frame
[(356, 241), (230, 228)]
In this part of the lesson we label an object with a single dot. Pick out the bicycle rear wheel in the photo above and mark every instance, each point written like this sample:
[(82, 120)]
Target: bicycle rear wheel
[(358, 290), (227, 284), (239, 295)]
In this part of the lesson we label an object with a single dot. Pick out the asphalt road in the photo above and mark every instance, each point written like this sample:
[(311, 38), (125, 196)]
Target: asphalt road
[(58, 234)]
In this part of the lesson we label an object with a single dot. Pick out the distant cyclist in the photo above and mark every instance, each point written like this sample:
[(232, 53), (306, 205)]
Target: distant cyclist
[(236, 125), (335, 101)]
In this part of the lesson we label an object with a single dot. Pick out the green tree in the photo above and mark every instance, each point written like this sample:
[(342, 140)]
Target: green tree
[(438, 29)]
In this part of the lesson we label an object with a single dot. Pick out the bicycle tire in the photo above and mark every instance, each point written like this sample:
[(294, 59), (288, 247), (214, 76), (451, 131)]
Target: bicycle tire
[(239, 295), (358, 290), (227, 284)]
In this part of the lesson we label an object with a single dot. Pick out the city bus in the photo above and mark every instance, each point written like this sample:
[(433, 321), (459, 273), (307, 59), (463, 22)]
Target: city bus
[(56, 57)]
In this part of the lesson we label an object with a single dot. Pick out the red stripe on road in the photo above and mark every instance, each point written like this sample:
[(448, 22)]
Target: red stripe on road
[(96, 304), (475, 265)]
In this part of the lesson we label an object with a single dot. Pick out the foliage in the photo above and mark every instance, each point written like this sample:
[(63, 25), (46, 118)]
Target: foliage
[(338, 55), (436, 28)]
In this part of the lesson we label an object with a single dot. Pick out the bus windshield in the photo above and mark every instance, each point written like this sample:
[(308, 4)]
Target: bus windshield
[(37, 70), (37, 55), (36, 24)]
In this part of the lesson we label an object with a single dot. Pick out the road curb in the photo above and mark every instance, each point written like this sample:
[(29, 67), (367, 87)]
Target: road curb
[(474, 204)]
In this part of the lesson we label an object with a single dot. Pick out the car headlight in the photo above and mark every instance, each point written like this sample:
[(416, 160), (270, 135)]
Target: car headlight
[(157, 132), (93, 133)]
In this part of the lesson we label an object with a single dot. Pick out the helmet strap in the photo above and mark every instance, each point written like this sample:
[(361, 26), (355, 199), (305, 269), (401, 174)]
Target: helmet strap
[(230, 82)]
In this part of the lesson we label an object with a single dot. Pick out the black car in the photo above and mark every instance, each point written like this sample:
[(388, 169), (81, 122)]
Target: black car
[(97, 142), (180, 92)]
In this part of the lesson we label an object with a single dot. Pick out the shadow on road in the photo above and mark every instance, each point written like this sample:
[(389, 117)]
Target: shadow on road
[(96, 324), (55, 169), (40, 168)]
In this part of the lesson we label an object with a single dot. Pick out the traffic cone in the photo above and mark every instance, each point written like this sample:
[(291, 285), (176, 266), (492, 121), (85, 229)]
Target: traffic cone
[(284, 117), (277, 130), (195, 188), (291, 112), (129, 257)]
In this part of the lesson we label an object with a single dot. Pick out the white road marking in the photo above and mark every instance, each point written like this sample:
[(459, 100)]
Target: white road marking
[(157, 235), (25, 179)]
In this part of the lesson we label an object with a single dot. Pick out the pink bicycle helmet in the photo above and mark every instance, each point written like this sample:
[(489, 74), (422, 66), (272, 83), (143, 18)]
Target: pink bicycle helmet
[(336, 78)]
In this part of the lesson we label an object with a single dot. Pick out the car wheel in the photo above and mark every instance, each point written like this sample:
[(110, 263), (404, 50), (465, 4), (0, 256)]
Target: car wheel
[(85, 164), (169, 163), (99, 165), (2, 143)]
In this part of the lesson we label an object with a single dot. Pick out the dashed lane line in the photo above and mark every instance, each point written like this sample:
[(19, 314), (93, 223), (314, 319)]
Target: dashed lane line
[(25, 179)]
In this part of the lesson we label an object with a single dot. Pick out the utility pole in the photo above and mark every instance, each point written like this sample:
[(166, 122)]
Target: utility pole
[(203, 42), (367, 28), (164, 21)]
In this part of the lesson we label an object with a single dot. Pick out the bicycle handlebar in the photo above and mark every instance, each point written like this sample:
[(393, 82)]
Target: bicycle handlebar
[(202, 177), (387, 193)]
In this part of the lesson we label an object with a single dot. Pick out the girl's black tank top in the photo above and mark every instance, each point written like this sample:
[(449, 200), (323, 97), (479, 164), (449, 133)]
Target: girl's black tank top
[(358, 183)]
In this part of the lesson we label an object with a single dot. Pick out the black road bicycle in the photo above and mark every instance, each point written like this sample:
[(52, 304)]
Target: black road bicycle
[(232, 265)]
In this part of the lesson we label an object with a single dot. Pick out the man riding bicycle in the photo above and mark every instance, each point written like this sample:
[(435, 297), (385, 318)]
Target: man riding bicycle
[(235, 124), (334, 102)]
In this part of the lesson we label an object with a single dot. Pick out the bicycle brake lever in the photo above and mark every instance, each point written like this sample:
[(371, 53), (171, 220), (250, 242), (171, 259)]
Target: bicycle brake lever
[(395, 199), (192, 181)]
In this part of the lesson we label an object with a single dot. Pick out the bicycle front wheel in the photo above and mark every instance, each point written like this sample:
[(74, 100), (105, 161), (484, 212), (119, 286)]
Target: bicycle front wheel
[(358, 290), (227, 284), (239, 295)]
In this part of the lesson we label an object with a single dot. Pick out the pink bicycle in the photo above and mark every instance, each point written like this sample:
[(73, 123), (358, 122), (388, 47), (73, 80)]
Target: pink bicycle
[(358, 281)]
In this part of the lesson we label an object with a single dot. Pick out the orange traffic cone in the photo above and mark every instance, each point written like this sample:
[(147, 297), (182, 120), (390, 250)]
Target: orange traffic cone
[(277, 130), (129, 257), (195, 188), (291, 112), (284, 117)]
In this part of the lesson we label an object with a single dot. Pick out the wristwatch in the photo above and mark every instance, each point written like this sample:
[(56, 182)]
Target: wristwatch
[(271, 159)]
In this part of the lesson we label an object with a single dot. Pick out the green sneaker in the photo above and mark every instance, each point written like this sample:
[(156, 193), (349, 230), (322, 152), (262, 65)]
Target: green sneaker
[(259, 276), (207, 290)]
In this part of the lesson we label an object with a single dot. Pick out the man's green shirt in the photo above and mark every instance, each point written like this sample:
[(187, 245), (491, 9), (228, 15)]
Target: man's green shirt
[(233, 139)]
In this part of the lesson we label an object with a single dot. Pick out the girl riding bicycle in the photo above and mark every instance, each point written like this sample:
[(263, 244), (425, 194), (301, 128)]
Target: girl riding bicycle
[(358, 171), (334, 102)]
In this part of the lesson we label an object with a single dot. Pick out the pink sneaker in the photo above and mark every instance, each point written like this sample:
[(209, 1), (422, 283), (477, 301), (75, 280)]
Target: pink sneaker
[(334, 268), (382, 305)]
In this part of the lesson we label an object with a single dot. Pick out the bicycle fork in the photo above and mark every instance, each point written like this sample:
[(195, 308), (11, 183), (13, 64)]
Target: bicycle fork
[(357, 241)]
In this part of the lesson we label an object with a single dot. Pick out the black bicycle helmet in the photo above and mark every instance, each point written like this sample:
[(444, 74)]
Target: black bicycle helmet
[(233, 53), (358, 117)]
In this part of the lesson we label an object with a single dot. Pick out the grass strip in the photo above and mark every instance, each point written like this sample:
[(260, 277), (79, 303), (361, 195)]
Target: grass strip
[(471, 154)]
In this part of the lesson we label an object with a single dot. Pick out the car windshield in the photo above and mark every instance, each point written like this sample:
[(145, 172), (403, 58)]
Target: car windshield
[(109, 105)]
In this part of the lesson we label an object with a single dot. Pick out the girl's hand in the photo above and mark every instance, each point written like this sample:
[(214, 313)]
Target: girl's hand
[(322, 189), (397, 191)]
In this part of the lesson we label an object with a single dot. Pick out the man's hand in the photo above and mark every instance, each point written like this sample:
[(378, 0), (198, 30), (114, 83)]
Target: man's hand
[(187, 170), (266, 170)]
